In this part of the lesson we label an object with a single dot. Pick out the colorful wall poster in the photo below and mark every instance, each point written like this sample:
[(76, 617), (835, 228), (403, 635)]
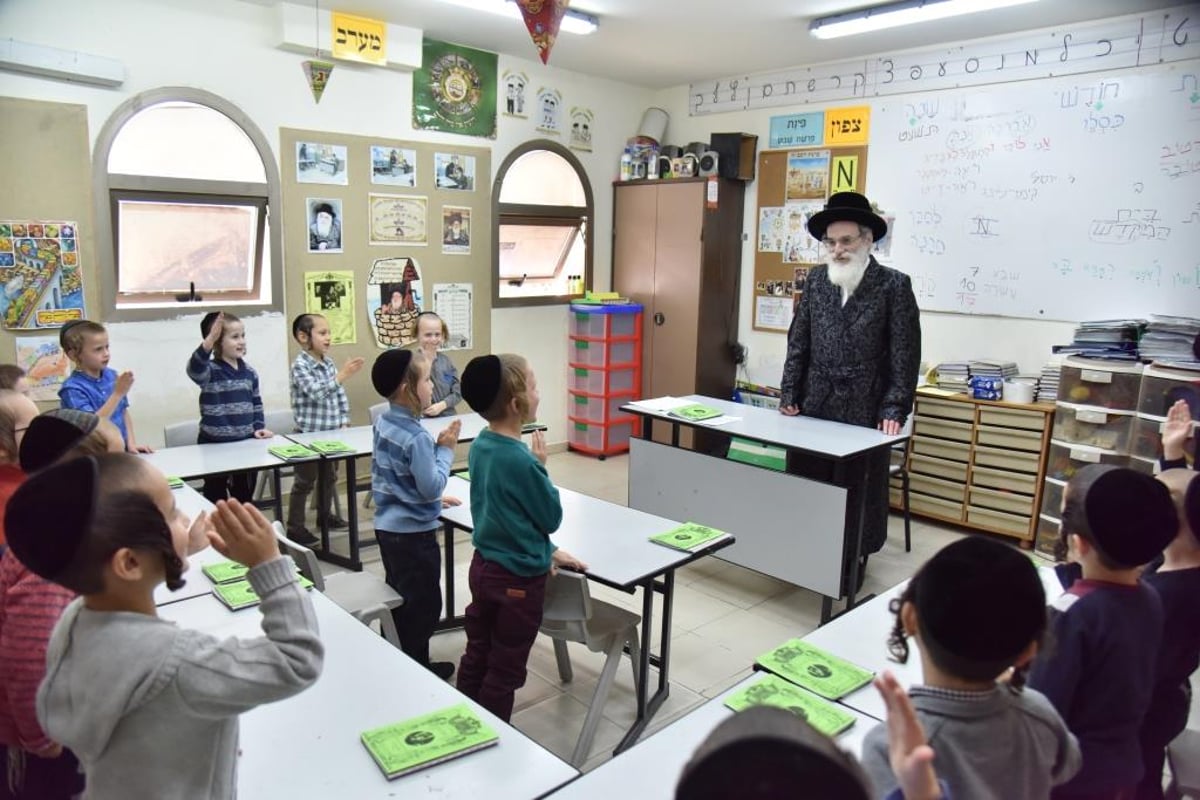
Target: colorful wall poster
[(395, 296), (456, 230), (455, 90), (46, 365), (41, 282), (393, 166), (331, 294), (321, 163), (398, 219)]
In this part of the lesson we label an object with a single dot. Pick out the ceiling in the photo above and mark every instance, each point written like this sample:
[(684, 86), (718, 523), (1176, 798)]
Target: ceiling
[(662, 43)]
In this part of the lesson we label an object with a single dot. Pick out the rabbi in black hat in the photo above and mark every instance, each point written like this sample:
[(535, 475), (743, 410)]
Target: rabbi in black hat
[(325, 229), (1107, 627), (854, 345)]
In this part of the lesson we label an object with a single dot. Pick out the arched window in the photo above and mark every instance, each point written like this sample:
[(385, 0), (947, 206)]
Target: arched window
[(542, 204), (187, 200)]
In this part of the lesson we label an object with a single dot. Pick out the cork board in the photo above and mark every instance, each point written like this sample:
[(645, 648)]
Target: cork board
[(396, 242), (792, 184)]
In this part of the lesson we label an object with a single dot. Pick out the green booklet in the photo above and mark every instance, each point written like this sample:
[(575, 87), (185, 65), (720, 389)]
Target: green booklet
[(239, 594), (695, 412), (412, 745), (689, 536), (175, 483), (291, 452), (225, 571), (814, 669), (775, 691), (330, 446)]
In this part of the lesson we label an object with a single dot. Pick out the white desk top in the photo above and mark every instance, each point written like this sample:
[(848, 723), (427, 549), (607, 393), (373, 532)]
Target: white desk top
[(196, 460), (831, 439), (308, 745), (861, 635), (361, 437), (650, 769), (191, 503), (612, 540)]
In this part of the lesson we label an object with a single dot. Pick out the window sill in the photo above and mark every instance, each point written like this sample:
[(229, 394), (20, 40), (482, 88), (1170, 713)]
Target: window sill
[(535, 300)]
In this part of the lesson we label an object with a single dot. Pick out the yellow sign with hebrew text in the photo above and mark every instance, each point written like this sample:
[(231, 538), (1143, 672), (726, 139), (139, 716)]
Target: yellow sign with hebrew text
[(359, 39), (847, 125)]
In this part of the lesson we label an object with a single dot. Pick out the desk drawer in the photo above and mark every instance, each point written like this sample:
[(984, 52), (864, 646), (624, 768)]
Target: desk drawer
[(1002, 501), (946, 409), (1014, 524), (1001, 479), (999, 458), (1010, 438), (927, 504), (1012, 418), (943, 429), (938, 467), (941, 448), (948, 490)]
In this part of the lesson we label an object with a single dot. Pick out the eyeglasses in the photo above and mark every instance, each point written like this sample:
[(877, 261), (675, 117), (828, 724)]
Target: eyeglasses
[(844, 241)]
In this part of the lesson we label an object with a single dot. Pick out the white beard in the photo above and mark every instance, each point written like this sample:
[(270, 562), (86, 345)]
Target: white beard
[(324, 226), (849, 273)]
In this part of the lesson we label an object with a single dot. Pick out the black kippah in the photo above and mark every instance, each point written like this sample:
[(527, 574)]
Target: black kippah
[(52, 434), (48, 517), (388, 371), (1131, 516), (480, 382)]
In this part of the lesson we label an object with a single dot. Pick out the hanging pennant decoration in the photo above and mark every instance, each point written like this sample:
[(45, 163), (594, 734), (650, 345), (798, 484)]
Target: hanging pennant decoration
[(542, 18), (317, 73)]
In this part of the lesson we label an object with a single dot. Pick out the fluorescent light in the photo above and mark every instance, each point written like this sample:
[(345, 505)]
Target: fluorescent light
[(572, 22), (894, 15)]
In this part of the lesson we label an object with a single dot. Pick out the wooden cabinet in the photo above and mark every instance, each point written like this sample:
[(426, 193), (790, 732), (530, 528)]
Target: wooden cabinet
[(978, 463), (680, 257)]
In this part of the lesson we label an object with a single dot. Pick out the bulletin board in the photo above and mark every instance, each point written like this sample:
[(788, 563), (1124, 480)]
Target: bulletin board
[(792, 185), (413, 232)]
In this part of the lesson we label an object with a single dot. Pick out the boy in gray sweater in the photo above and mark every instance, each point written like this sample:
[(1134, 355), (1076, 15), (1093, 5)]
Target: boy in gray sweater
[(151, 710), (978, 609)]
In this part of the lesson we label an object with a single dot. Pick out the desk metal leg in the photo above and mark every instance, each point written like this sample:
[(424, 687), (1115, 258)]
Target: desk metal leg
[(352, 511), (450, 621), (277, 488), (353, 561), (646, 708)]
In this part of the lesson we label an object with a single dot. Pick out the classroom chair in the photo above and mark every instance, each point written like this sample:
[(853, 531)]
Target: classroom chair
[(1183, 755), (571, 615), (178, 434), (899, 469), (363, 595), (364, 484)]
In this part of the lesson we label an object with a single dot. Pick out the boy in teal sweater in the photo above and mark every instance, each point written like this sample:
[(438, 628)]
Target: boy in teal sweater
[(515, 508)]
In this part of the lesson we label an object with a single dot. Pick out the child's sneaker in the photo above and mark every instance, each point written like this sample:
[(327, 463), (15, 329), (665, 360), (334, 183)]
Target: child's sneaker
[(302, 536)]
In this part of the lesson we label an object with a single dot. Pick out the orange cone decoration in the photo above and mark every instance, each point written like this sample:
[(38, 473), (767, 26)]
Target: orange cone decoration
[(317, 73), (542, 18)]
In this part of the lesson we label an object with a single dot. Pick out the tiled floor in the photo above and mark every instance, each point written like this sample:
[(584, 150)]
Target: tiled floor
[(724, 617)]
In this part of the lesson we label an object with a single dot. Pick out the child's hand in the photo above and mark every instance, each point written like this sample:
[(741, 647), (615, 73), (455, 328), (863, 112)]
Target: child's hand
[(198, 533), (561, 558), (436, 409), (448, 501), (1176, 431), (242, 533), (349, 368), (214, 333), (263, 434), (538, 446), (910, 756), (449, 436), (124, 383), (140, 448)]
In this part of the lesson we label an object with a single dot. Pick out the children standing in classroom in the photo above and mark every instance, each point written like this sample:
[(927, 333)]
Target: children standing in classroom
[(515, 508), (976, 610), (319, 403), (408, 475), (159, 718), (93, 385), (231, 407), (431, 335), (1107, 627)]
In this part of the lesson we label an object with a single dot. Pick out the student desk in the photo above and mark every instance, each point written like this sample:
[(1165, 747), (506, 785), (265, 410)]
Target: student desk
[(614, 542), (192, 503), (790, 527), (308, 746), (650, 770)]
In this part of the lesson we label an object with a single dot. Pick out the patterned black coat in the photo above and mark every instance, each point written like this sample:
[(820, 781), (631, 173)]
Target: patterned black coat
[(855, 363)]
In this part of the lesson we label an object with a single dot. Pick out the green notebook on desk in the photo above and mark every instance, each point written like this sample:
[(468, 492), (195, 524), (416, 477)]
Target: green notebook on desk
[(291, 452), (414, 744), (175, 483), (330, 447), (778, 693), (814, 669), (689, 536), (225, 571), (695, 412), (239, 594)]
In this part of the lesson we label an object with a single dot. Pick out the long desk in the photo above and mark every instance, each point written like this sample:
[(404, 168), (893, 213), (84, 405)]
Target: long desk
[(614, 542), (308, 746), (800, 530)]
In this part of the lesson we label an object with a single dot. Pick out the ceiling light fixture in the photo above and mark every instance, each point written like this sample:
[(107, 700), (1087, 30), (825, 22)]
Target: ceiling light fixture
[(893, 15), (572, 22)]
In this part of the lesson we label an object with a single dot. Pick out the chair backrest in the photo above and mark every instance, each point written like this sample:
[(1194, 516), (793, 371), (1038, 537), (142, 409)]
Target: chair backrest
[(567, 607), (178, 434), (281, 421), (377, 410), (305, 559)]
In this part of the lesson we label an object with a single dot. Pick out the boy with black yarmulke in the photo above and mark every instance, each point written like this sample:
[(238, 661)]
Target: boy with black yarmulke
[(1107, 627), (977, 609)]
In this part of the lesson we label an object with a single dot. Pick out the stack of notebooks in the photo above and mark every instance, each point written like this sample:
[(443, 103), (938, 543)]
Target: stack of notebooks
[(1047, 388), (1169, 341), (952, 376), (1106, 338), (421, 742), (231, 587), (689, 537), (799, 673), (991, 368)]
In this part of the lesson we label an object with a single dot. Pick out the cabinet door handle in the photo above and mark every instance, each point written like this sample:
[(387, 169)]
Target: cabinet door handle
[(659, 319)]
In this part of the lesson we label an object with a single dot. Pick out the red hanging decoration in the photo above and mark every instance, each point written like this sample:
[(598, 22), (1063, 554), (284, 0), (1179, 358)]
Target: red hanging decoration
[(542, 18)]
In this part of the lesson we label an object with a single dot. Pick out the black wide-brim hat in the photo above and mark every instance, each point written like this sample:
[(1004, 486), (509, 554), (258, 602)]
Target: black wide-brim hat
[(847, 207)]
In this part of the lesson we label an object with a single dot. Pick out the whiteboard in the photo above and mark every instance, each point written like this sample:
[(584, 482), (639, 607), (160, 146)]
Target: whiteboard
[(1065, 198)]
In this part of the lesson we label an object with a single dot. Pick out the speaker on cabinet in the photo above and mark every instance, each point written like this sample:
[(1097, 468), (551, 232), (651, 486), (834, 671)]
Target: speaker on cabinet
[(737, 151), (708, 163)]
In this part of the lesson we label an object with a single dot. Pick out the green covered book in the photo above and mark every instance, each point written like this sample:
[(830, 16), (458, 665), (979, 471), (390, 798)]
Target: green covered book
[(695, 412), (239, 594), (414, 744), (225, 571), (689, 536), (775, 691), (330, 447), (175, 483), (814, 669), (291, 452)]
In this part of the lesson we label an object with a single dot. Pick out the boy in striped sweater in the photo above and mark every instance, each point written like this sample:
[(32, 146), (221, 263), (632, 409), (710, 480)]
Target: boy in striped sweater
[(231, 407)]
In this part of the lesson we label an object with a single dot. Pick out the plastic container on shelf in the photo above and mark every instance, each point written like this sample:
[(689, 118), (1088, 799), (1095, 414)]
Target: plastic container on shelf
[(1105, 428), (601, 353), (601, 381), (1066, 459), (599, 438), (605, 373), (597, 408), (1162, 387), (608, 321), (1105, 384)]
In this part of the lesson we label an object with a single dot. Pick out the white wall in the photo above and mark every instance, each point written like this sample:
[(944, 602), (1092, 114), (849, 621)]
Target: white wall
[(228, 48)]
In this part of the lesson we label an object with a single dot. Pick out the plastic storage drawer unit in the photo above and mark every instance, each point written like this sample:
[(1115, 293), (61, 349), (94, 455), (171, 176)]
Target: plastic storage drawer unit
[(1105, 384), (1162, 387), (1106, 429), (1066, 459)]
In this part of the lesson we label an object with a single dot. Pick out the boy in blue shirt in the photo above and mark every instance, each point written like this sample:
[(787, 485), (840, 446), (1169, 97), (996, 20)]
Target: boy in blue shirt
[(93, 385)]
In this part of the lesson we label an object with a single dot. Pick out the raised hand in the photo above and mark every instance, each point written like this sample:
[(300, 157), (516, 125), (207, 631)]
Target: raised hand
[(214, 333), (448, 437), (538, 446), (1176, 431), (242, 533), (349, 368), (124, 382), (910, 754)]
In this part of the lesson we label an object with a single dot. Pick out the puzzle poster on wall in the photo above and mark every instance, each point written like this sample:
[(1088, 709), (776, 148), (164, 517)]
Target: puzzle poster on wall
[(395, 296), (46, 365), (40, 275)]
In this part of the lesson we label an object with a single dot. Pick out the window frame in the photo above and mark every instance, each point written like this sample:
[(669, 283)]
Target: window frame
[(582, 217), (108, 187)]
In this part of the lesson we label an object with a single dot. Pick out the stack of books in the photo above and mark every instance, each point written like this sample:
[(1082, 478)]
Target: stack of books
[(1047, 388), (953, 376), (1115, 339), (1170, 341), (992, 368)]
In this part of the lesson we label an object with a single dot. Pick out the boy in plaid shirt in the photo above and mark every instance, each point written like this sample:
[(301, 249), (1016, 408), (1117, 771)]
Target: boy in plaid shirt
[(319, 403)]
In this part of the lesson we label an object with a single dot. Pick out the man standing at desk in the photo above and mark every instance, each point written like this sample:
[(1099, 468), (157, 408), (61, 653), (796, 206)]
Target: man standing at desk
[(854, 345)]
